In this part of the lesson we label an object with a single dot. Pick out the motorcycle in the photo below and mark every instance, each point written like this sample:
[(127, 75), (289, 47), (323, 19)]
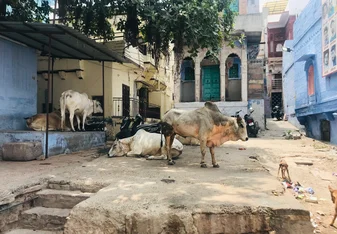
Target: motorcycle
[(251, 125), (277, 113), (138, 123)]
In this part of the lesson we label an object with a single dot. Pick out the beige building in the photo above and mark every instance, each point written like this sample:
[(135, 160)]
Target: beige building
[(234, 79), (129, 88)]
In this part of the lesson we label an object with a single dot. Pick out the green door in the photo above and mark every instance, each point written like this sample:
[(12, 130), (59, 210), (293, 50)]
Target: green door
[(211, 83)]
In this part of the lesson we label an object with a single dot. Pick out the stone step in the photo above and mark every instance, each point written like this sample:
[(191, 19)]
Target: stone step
[(63, 199), (28, 231), (41, 218)]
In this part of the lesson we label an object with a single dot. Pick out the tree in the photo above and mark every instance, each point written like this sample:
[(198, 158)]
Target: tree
[(193, 24), (24, 10)]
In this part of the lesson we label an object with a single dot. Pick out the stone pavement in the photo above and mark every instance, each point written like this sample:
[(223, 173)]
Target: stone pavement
[(141, 196)]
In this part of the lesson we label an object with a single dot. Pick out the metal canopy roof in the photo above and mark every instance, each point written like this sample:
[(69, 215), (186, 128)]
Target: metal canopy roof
[(65, 42)]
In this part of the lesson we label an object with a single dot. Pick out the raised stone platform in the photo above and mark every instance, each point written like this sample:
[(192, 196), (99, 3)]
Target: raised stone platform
[(152, 197), (58, 142)]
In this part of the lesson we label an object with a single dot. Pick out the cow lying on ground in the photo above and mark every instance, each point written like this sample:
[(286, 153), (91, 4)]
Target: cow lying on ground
[(144, 144), (207, 124), (38, 122), (77, 104)]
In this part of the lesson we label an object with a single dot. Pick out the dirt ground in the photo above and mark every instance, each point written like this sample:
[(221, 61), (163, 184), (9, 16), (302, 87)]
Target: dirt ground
[(271, 147), (92, 167)]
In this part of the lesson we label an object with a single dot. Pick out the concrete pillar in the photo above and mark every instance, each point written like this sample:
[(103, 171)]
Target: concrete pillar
[(197, 73), (222, 59), (176, 89), (244, 77), (243, 7)]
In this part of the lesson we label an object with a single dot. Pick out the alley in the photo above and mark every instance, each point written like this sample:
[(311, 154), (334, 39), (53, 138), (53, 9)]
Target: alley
[(271, 147)]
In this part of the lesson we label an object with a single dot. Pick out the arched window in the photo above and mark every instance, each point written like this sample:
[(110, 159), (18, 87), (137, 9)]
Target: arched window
[(311, 80)]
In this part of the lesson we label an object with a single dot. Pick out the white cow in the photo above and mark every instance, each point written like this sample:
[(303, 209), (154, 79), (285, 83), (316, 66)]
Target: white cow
[(144, 144), (77, 104)]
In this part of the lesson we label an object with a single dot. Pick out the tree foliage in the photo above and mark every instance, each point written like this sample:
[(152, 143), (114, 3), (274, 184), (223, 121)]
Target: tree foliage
[(193, 24), (24, 10)]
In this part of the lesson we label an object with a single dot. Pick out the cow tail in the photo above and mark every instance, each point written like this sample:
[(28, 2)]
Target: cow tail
[(63, 109)]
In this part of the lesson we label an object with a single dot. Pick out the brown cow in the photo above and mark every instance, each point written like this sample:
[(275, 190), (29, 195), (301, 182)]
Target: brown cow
[(38, 122), (207, 124)]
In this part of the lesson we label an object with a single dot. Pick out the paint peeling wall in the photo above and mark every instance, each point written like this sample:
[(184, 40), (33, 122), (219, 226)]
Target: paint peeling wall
[(58, 142), (18, 85)]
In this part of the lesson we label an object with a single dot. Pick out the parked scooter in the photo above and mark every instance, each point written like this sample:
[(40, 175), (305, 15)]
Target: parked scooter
[(138, 123), (252, 126), (277, 113)]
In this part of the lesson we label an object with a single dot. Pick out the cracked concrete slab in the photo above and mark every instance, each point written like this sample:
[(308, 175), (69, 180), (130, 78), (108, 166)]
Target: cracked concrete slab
[(235, 198)]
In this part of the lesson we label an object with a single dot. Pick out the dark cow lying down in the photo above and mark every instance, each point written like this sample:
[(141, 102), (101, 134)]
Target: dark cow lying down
[(207, 124)]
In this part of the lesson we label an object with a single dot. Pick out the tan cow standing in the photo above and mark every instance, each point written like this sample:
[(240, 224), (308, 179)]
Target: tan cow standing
[(207, 124)]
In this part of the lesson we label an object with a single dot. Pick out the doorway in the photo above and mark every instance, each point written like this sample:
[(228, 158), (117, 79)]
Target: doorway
[(126, 100), (143, 101), (210, 79), (325, 130)]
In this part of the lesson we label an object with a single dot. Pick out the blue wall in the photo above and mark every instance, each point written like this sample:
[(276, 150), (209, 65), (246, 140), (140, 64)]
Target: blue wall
[(18, 85), (288, 84), (58, 142), (307, 46)]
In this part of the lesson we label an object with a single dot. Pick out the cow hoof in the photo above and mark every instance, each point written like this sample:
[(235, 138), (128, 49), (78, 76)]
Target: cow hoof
[(171, 162), (216, 166), (203, 165)]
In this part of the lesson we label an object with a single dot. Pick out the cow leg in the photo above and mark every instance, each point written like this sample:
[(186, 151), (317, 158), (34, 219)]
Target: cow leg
[(161, 157), (71, 118), (203, 153), (83, 120), (133, 153), (78, 123), (169, 141), (215, 164)]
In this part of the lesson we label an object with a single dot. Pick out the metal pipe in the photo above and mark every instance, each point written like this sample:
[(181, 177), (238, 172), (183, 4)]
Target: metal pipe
[(47, 104), (52, 83), (103, 89)]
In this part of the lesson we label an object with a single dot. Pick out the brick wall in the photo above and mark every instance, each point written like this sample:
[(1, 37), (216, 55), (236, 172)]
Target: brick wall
[(275, 36), (289, 33), (242, 7), (255, 79)]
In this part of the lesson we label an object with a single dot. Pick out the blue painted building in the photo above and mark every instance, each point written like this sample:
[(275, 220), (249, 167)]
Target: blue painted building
[(315, 96), (288, 85), (18, 84)]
